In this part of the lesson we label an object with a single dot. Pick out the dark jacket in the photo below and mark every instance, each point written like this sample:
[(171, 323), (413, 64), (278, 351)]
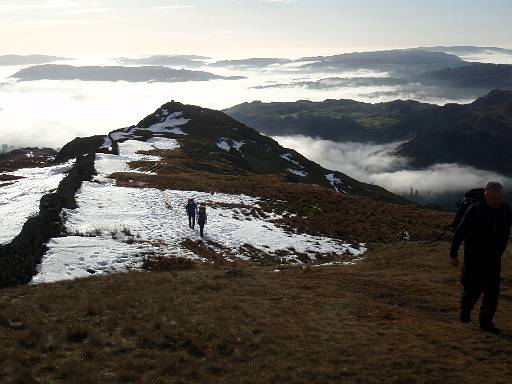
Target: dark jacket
[(202, 217), (485, 232), (191, 209)]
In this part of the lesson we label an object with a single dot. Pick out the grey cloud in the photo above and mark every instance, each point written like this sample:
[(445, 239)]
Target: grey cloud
[(340, 82), (252, 63), (376, 164)]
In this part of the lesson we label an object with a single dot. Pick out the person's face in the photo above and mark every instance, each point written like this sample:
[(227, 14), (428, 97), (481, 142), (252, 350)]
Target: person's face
[(494, 199)]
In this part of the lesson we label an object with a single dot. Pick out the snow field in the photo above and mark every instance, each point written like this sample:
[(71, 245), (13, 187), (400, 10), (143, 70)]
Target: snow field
[(20, 199)]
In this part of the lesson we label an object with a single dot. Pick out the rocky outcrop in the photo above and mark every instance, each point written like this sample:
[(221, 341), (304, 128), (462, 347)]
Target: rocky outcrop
[(79, 146)]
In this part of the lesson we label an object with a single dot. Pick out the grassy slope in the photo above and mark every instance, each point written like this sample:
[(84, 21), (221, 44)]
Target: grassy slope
[(390, 318)]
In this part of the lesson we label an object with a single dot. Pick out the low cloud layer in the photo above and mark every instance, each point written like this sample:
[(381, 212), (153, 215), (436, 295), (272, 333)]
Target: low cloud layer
[(376, 164)]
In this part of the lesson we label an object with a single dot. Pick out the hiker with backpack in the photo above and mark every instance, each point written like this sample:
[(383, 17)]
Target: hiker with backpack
[(191, 209), (202, 219), (484, 228)]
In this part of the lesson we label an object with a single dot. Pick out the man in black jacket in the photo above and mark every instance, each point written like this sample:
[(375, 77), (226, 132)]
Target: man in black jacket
[(485, 230)]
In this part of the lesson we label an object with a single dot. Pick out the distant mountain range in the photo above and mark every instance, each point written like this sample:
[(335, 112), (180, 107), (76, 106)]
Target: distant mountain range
[(436, 71), (478, 134)]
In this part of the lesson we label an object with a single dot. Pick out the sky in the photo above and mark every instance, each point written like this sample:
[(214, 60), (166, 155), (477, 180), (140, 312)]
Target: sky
[(240, 28)]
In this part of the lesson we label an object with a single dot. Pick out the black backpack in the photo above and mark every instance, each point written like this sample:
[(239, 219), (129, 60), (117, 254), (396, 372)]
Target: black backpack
[(471, 197)]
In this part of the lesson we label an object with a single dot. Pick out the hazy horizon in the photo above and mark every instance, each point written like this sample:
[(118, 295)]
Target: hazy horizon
[(235, 28)]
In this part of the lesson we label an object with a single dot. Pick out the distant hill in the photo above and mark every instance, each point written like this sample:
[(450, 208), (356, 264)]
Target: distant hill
[(114, 73), (467, 50), (478, 134), (25, 158), (336, 120), (400, 62), (478, 75)]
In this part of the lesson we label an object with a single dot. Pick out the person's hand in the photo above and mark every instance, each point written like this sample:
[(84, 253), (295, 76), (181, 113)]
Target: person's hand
[(455, 262)]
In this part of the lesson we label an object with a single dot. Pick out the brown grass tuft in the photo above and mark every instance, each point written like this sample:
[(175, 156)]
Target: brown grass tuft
[(157, 263)]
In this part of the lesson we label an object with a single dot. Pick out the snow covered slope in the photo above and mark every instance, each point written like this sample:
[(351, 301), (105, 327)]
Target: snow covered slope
[(20, 198), (114, 227)]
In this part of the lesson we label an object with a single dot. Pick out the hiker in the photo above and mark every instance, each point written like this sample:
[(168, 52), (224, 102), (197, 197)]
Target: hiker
[(485, 230), (202, 219), (191, 208)]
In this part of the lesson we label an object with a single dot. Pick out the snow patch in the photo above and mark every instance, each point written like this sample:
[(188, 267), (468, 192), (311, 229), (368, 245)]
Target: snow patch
[(223, 144), (20, 200), (335, 182), (74, 257), (107, 164), (158, 220), (227, 144), (169, 123), (289, 157), (298, 172), (107, 143)]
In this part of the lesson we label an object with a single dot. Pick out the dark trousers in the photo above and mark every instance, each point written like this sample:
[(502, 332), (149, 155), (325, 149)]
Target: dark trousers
[(478, 279), (191, 221), (201, 229)]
